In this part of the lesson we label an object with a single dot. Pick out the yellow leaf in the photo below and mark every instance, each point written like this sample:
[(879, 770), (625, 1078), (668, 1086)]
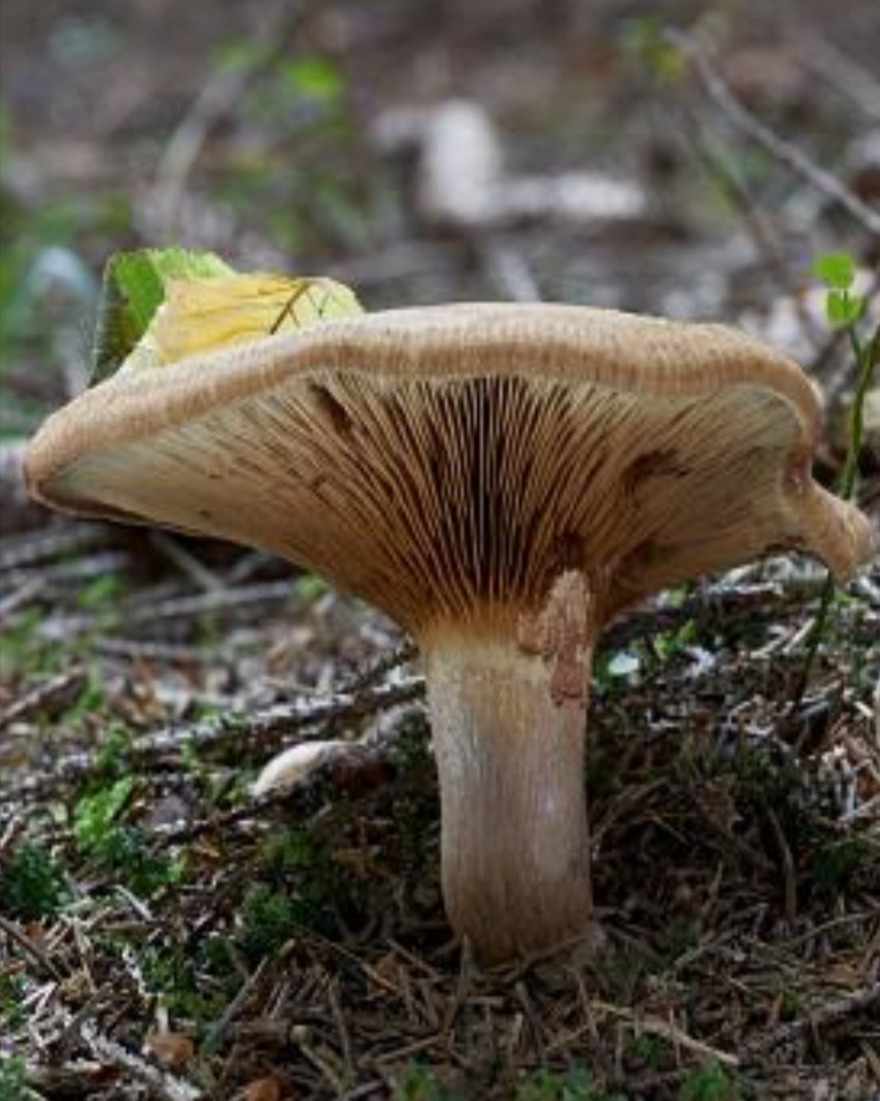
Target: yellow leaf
[(205, 315)]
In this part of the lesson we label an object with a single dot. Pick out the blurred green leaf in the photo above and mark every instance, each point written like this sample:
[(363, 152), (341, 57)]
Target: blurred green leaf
[(644, 44), (134, 289), (315, 78), (843, 309), (835, 269)]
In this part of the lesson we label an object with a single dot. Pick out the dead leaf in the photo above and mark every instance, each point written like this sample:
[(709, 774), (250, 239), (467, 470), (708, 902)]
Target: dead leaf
[(171, 1049), (262, 1089)]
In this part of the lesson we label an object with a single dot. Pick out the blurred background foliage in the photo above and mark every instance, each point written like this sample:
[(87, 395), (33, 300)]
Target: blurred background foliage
[(286, 135)]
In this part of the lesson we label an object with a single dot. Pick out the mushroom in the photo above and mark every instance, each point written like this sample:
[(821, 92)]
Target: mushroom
[(501, 480)]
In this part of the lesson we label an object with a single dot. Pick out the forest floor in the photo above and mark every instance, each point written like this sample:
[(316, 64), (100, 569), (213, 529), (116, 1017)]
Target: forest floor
[(164, 933)]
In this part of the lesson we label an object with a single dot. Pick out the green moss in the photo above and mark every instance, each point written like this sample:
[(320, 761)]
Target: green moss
[(12, 1011), (419, 1083), (709, 1082), (95, 814), (268, 919), (182, 980), (575, 1084), (835, 865), (121, 847), (32, 884), (13, 1079)]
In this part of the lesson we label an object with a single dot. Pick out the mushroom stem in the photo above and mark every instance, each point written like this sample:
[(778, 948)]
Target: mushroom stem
[(515, 839)]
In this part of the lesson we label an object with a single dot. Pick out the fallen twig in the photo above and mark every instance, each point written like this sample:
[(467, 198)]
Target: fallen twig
[(30, 548), (29, 946), (140, 611), (53, 694), (161, 1083), (667, 1030), (828, 1013), (267, 727), (844, 73)]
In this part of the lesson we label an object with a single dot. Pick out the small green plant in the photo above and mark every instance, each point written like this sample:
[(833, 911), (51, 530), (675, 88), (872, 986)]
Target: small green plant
[(111, 756), (709, 1082), (12, 1010), (302, 887), (268, 919), (194, 985), (845, 310), (791, 1005), (126, 850), (95, 814), (648, 1049), (666, 644), (292, 850), (419, 1083), (118, 846), (843, 307), (13, 1079), (23, 650), (102, 595), (574, 1084), (311, 588), (314, 78), (32, 885)]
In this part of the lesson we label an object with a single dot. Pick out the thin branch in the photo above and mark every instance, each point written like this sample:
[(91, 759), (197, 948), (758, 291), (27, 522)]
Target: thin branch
[(29, 946), (666, 1030), (828, 1013), (53, 694), (783, 151)]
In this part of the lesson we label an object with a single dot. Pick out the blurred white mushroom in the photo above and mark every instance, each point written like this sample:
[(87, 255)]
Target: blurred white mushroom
[(462, 182)]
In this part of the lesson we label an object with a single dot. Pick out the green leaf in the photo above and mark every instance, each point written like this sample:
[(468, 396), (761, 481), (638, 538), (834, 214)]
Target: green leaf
[(835, 269), (843, 309), (95, 814), (314, 78), (134, 288)]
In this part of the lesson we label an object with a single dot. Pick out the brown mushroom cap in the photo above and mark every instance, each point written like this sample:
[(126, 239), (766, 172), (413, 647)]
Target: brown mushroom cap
[(447, 463)]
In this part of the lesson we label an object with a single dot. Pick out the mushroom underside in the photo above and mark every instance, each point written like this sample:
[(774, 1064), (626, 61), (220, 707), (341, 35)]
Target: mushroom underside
[(439, 500)]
